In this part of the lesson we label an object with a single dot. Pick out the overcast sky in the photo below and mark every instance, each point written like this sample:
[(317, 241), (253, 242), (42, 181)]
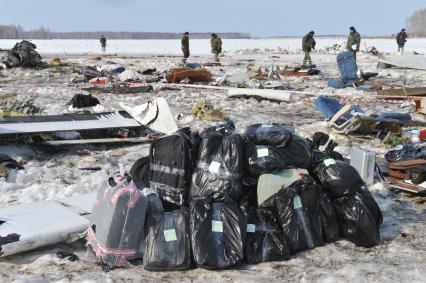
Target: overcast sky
[(257, 17)]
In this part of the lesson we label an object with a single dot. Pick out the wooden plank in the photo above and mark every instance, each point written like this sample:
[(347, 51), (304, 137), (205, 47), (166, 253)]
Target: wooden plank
[(401, 165), (401, 185), (397, 174)]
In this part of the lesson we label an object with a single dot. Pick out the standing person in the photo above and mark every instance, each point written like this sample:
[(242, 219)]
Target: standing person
[(103, 43), (308, 43), (354, 38), (401, 39), (185, 46), (216, 44)]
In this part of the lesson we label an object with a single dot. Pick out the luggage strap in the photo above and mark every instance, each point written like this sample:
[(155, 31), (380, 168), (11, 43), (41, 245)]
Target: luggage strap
[(101, 249), (166, 169)]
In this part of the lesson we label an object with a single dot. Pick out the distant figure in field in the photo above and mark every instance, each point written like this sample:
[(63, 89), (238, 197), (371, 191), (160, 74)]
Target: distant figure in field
[(308, 43), (354, 39), (185, 46), (401, 39), (216, 44), (103, 43)]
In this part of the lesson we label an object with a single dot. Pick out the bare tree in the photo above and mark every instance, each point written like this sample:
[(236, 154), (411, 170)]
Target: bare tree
[(417, 23), (17, 32)]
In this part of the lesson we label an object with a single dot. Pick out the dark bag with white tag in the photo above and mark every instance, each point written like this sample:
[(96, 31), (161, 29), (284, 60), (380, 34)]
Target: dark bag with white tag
[(267, 159), (217, 233), (220, 167), (298, 211), (359, 217), (171, 165), (264, 239), (337, 178), (167, 243)]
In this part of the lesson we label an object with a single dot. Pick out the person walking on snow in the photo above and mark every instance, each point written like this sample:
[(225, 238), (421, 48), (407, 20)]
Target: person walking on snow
[(308, 43), (401, 39), (216, 44), (103, 43), (185, 46), (354, 39)]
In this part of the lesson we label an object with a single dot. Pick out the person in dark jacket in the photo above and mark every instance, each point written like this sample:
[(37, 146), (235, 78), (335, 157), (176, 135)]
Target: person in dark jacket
[(308, 43), (103, 43), (216, 44), (354, 39), (185, 46), (401, 39)]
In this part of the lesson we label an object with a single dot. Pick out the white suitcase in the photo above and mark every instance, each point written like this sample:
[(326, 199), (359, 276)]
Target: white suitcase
[(364, 162)]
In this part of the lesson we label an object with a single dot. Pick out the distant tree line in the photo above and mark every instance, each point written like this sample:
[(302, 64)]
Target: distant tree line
[(417, 23), (17, 32)]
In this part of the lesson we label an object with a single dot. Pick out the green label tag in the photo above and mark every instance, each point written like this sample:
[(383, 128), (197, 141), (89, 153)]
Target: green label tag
[(329, 162), (214, 167), (297, 202), (251, 228), (262, 152), (217, 226), (170, 235)]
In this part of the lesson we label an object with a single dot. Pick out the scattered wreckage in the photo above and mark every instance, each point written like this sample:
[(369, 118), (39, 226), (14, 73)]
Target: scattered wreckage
[(23, 54)]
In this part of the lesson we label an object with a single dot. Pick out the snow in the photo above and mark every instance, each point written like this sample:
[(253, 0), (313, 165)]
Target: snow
[(202, 46), (54, 173)]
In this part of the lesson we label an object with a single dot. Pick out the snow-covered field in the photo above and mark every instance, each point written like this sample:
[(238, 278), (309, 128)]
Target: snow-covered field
[(202, 46), (400, 257)]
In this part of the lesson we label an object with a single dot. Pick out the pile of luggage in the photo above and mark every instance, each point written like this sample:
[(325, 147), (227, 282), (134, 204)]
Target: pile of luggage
[(219, 198)]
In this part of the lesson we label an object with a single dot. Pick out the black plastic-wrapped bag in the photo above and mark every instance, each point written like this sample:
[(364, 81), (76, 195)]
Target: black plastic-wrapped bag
[(320, 139), (220, 167), (140, 172), (217, 233), (359, 217), (338, 178), (167, 242), (264, 239), (277, 135), (298, 211), (224, 129), (266, 159), (330, 225)]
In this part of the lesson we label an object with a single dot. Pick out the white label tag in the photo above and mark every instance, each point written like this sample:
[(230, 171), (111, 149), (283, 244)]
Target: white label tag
[(214, 167), (217, 226), (329, 162), (266, 126), (262, 152), (297, 202), (251, 228), (170, 235)]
